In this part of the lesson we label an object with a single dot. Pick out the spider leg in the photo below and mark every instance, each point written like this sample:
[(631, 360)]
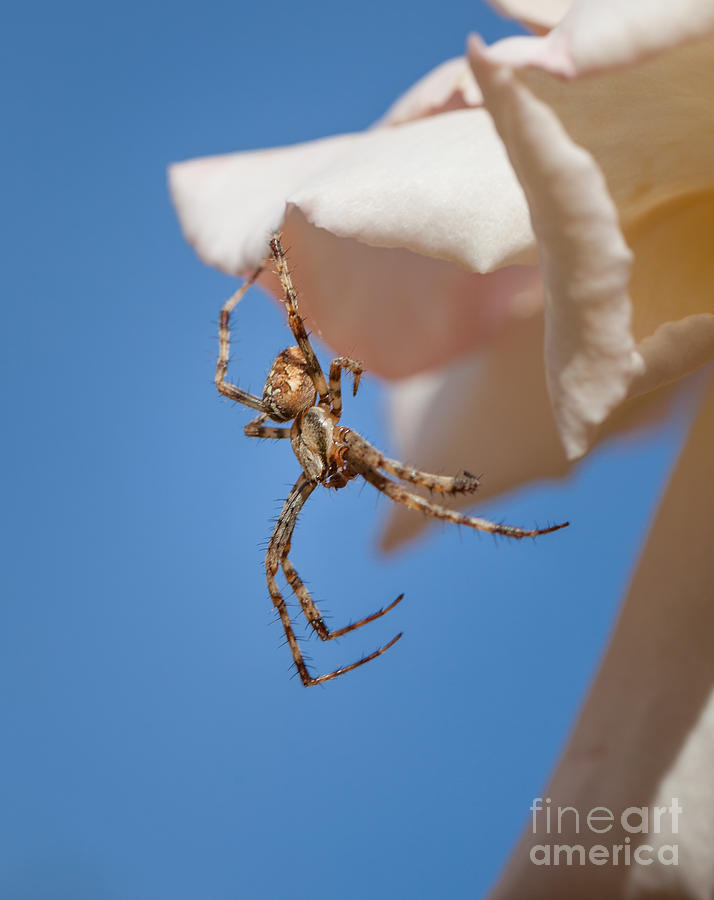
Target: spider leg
[(279, 541), (257, 429), (399, 493), (278, 549), (312, 613), (321, 679), (297, 326), (336, 367), (232, 391), (444, 484)]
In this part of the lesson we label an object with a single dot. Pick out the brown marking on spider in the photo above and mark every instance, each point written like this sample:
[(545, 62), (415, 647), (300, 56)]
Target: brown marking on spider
[(289, 388), (331, 455)]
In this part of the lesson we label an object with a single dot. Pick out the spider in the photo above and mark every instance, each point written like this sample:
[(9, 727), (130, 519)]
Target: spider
[(330, 454)]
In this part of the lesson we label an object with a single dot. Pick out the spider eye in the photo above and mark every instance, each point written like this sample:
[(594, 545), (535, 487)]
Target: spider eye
[(288, 389)]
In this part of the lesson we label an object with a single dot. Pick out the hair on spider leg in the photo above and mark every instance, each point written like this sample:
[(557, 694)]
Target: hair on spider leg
[(309, 629), (293, 669), (309, 634), (306, 657), (287, 248)]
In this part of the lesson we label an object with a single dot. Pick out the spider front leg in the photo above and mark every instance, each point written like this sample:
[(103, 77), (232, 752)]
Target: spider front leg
[(336, 367), (278, 550), (232, 391), (297, 326)]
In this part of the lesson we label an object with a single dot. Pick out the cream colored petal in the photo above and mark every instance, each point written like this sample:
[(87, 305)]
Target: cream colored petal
[(491, 414), (595, 35), (673, 351), (646, 732), (651, 130), (229, 205), (538, 15), (673, 274), (441, 186), (589, 350), (449, 86)]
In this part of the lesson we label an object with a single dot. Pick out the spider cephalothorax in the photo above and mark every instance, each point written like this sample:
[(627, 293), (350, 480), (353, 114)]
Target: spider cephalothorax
[(330, 454)]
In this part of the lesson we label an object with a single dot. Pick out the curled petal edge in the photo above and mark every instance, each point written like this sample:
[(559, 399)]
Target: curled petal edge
[(590, 352), (608, 34)]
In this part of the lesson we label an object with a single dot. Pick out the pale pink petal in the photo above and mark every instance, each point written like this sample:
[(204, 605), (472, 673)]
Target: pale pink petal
[(491, 414), (488, 414), (538, 15), (590, 356), (449, 86), (397, 311), (229, 205), (441, 186), (444, 186), (646, 732), (595, 35)]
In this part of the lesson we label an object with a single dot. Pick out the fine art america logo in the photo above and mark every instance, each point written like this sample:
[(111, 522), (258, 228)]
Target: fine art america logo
[(628, 831)]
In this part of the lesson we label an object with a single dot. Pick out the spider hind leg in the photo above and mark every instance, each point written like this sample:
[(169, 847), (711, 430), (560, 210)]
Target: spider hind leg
[(321, 679), (277, 556), (313, 614), (359, 447), (400, 494)]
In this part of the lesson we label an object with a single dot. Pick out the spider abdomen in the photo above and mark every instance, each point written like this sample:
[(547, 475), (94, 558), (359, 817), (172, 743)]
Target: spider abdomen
[(288, 387), (311, 437)]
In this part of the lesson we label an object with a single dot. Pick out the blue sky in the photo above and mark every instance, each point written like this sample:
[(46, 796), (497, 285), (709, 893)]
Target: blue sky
[(153, 743)]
